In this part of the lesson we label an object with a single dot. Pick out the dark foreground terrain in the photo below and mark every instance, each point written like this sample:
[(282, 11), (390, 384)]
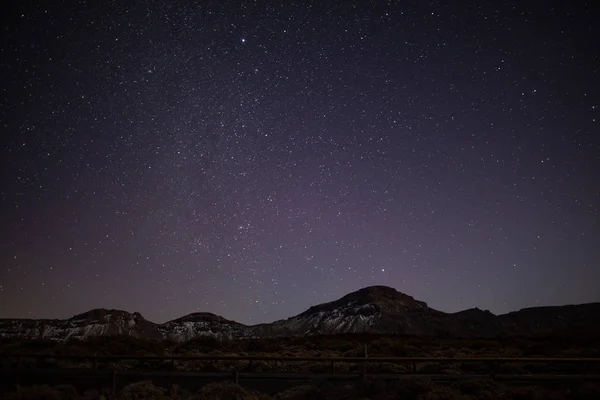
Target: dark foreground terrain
[(421, 389), (577, 345)]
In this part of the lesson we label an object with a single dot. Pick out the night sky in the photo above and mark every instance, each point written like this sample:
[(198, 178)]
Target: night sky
[(253, 159)]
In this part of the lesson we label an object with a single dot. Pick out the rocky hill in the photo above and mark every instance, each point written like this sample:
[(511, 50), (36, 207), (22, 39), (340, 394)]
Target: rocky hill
[(582, 318), (202, 324), (374, 309), (92, 323)]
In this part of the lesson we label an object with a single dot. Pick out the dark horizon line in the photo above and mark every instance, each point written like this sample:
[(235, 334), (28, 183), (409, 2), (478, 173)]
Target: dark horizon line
[(284, 319)]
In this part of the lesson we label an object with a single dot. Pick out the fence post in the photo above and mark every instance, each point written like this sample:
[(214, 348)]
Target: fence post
[(494, 369), (333, 366), (586, 368), (250, 365), (114, 382), (414, 363), (364, 363), (363, 373), (235, 376)]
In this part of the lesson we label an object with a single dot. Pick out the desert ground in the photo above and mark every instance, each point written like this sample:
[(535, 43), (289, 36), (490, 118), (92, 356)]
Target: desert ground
[(574, 346)]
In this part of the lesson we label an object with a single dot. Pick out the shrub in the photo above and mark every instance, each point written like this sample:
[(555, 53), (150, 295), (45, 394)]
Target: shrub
[(390, 348), (45, 392), (108, 345), (413, 388), (303, 392), (482, 344), (228, 391), (142, 390), (529, 393), (479, 389), (263, 346), (588, 391), (200, 344), (33, 346), (432, 368), (444, 393)]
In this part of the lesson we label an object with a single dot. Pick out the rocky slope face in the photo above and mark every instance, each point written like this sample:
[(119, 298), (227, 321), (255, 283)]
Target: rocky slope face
[(375, 309), (92, 323), (202, 324), (102, 322), (582, 318)]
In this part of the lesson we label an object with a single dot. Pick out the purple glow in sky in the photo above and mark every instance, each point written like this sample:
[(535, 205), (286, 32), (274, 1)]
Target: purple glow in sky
[(253, 160)]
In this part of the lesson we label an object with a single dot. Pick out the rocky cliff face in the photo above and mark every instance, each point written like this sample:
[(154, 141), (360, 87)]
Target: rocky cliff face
[(375, 309), (202, 324), (92, 323)]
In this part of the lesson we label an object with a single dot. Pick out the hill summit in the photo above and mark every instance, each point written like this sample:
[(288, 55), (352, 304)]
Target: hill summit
[(373, 309)]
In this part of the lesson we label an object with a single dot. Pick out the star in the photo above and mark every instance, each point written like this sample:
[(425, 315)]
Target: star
[(149, 166)]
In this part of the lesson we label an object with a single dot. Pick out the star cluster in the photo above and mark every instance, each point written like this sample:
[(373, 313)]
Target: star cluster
[(257, 158)]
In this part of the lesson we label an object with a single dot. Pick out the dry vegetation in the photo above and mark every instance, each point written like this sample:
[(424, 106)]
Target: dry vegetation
[(324, 346), (347, 345), (413, 389)]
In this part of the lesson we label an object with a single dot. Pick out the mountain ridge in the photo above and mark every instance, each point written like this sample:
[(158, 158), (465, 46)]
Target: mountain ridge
[(373, 309)]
